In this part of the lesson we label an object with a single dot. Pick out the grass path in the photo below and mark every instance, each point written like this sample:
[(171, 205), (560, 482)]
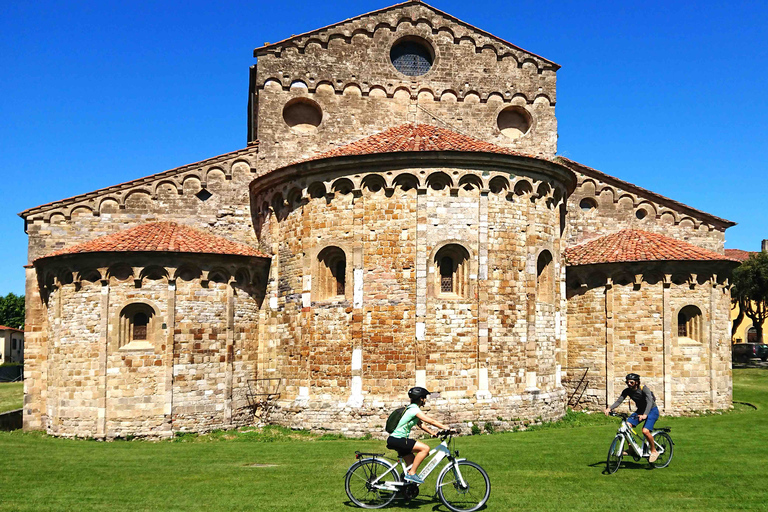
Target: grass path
[(11, 396), (717, 465)]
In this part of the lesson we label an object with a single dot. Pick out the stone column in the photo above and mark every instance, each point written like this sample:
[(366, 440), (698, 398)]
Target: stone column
[(712, 340), (168, 356), (421, 287), (53, 349), (531, 358), (358, 288), (230, 351), (482, 299), (610, 373), (103, 379), (667, 321), (35, 354)]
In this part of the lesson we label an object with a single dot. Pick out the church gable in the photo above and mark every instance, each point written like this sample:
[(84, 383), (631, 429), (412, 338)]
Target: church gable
[(603, 204), (212, 192), (414, 12), (406, 63)]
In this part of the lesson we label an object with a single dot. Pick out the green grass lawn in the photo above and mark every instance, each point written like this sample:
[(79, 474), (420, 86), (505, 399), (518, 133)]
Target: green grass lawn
[(11, 396), (718, 464)]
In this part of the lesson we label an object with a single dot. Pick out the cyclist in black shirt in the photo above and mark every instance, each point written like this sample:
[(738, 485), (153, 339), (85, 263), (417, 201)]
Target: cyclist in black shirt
[(646, 409)]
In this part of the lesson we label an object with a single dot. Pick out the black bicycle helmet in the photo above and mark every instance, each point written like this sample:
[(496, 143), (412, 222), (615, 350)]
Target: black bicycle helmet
[(632, 376), (417, 392)]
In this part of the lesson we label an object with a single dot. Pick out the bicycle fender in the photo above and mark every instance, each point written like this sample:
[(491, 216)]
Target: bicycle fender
[(444, 471)]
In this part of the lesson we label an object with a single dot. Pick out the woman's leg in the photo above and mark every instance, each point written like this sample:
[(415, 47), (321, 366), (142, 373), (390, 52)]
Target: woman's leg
[(420, 452)]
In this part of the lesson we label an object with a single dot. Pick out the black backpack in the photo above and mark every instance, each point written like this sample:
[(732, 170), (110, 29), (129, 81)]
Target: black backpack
[(394, 419)]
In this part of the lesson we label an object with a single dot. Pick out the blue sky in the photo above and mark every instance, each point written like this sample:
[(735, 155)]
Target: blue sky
[(670, 96)]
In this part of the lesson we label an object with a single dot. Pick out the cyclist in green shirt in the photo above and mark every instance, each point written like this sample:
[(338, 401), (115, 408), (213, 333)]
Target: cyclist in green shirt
[(411, 450)]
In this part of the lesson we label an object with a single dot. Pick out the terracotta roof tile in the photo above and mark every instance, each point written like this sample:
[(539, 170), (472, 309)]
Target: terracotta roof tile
[(161, 237), (416, 137), (635, 245), (6, 328), (738, 254)]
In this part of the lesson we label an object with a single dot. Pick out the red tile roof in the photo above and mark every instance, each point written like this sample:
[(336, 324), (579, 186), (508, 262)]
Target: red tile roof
[(161, 237), (738, 254), (635, 245), (6, 328), (416, 137)]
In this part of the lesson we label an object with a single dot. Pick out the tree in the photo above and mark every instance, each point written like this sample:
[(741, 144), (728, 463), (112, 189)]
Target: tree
[(12, 311), (750, 290)]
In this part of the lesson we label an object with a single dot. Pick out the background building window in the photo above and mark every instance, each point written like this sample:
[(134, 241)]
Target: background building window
[(137, 326), (452, 271), (689, 323), (751, 335), (545, 278), (330, 279)]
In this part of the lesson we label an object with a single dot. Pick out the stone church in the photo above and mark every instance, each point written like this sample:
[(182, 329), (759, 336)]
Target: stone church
[(398, 217)]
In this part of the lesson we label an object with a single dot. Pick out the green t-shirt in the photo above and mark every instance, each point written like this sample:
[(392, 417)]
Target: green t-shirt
[(407, 422)]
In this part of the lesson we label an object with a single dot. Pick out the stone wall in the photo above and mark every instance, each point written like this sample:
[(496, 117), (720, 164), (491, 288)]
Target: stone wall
[(490, 346), (191, 373), (346, 72), (623, 320), (601, 205)]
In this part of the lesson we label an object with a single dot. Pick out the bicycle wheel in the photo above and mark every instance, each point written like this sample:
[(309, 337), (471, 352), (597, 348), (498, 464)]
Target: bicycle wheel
[(360, 487), (614, 456), (665, 446), (468, 497)]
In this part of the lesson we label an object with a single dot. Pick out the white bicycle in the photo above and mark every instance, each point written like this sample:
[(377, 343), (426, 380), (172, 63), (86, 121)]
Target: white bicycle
[(374, 480), (628, 441)]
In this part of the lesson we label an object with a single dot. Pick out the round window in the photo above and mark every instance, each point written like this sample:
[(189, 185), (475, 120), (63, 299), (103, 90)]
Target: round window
[(303, 115), (412, 56), (514, 122)]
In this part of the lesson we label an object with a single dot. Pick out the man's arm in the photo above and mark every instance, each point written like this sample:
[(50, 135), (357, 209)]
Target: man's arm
[(615, 404), (649, 402)]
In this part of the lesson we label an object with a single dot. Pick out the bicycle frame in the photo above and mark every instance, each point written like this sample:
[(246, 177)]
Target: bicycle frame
[(628, 435), (436, 455)]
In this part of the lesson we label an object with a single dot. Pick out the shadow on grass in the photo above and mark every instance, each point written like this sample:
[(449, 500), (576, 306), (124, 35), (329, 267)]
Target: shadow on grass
[(421, 501), (625, 464)]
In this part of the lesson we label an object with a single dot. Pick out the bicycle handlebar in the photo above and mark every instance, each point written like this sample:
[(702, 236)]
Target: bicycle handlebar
[(619, 415), (446, 433)]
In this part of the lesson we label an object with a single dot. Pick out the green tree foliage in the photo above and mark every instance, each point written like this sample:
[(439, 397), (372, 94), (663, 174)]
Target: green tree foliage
[(750, 290), (12, 311)]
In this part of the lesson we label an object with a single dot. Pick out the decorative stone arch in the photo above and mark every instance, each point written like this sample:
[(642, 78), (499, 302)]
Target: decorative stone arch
[(153, 273), (470, 184), (449, 266), (499, 185), (187, 272), (439, 181), (330, 272), (217, 274), (406, 182), (690, 324), (373, 184), (316, 190), (523, 187), (120, 271), (137, 326), (156, 189), (545, 277), (343, 186)]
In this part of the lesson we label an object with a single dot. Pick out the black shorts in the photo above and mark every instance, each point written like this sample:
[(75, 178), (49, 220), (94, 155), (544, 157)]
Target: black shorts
[(401, 445)]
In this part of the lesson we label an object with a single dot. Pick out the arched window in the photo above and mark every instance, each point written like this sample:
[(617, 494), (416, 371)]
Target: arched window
[(545, 278), (137, 326), (451, 265), (751, 335), (446, 275), (689, 323), (330, 278)]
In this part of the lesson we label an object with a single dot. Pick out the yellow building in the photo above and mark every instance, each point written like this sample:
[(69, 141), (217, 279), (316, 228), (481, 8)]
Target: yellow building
[(745, 332)]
